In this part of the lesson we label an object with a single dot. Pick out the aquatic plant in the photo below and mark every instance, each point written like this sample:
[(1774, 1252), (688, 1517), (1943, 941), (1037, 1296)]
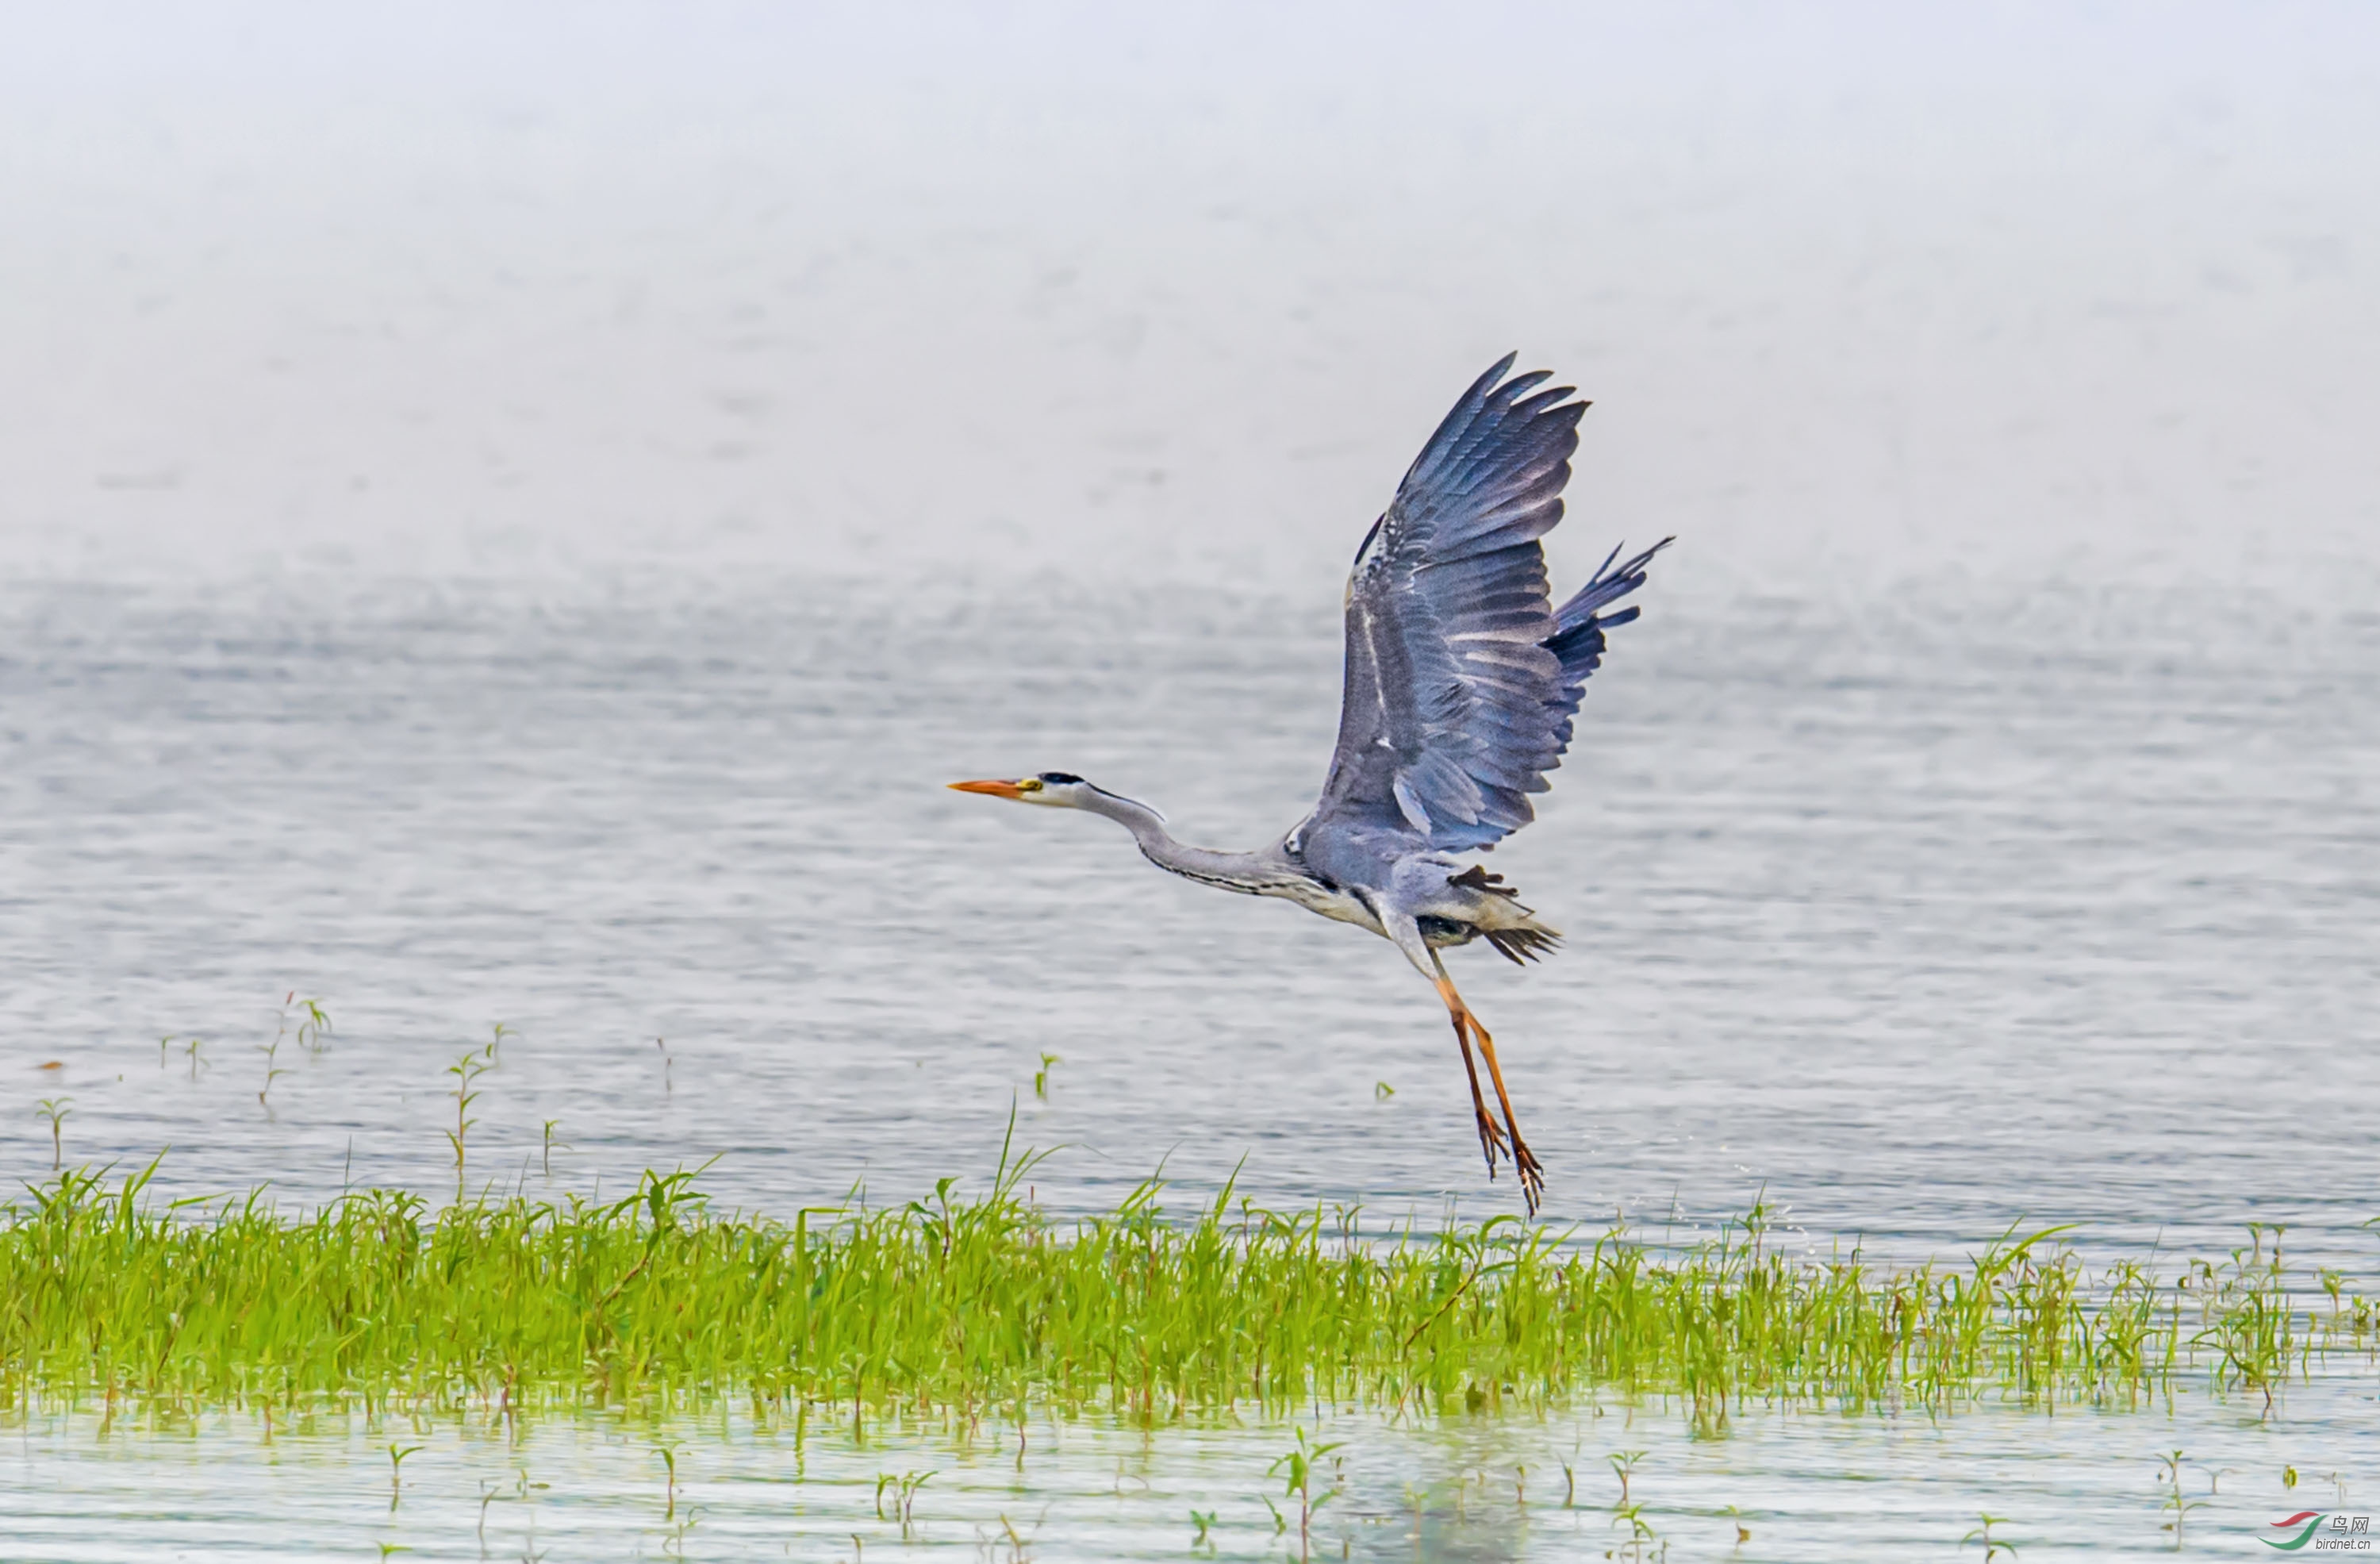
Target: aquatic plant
[(57, 1110), (1993, 1546), (987, 1310), (272, 1071), (1295, 1468), (467, 1072), (2170, 1468), (314, 1028), (397, 1454), (902, 1486), (1623, 1466)]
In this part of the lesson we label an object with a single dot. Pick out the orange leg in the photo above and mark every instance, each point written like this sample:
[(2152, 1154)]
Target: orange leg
[(1491, 1135), (1533, 1177)]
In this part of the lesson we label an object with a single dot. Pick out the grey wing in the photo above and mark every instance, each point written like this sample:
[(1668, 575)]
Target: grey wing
[(1460, 677)]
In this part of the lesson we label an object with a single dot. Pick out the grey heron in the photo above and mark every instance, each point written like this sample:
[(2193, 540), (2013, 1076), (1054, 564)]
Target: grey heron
[(1462, 680)]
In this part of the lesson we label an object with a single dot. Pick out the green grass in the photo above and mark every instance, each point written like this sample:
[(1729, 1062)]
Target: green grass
[(985, 1308)]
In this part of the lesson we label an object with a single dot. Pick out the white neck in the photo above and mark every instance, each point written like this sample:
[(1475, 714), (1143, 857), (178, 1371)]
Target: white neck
[(1249, 873)]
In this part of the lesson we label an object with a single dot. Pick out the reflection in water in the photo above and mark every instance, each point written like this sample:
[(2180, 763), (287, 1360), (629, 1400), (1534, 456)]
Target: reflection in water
[(1808, 1484)]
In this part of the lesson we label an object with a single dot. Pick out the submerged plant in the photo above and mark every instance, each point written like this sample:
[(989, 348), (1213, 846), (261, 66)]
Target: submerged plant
[(1623, 1465), (314, 1027), (272, 1072), (669, 1482), (902, 1486), (1643, 1543), (57, 1110), (467, 1072), (1295, 1468), (397, 1454), (2169, 1474), (2248, 1316), (310, 1021), (1993, 1547)]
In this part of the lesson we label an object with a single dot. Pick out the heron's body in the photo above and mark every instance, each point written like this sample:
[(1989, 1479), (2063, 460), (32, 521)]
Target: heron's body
[(1449, 909), (1462, 680)]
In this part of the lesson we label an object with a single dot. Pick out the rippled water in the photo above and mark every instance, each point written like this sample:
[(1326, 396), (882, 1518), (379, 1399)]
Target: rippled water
[(1917, 915), (1801, 1486), (1925, 914)]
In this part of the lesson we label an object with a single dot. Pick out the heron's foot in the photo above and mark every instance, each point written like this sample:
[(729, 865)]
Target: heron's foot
[(1491, 1141), (1533, 1177)]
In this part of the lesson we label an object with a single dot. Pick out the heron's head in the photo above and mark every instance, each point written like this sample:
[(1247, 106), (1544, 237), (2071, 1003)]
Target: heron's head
[(1060, 789)]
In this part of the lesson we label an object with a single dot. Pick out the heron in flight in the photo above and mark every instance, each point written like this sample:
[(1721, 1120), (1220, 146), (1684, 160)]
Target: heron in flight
[(1462, 683)]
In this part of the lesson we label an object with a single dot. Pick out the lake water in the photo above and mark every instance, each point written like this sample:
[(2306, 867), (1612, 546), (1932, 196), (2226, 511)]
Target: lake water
[(2082, 1483), (1916, 915), (1924, 914)]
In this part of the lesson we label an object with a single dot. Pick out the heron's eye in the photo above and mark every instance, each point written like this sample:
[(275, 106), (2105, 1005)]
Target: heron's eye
[(1030, 785)]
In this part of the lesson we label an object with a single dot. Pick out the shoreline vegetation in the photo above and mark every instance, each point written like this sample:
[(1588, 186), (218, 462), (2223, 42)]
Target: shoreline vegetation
[(986, 1310)]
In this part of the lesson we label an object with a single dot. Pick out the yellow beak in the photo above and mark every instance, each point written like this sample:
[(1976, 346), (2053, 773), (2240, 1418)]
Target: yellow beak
[(997, 789)]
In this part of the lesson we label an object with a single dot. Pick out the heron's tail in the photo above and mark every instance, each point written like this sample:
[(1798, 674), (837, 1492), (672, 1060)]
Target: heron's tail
[(1512, 928), (1522, 944)]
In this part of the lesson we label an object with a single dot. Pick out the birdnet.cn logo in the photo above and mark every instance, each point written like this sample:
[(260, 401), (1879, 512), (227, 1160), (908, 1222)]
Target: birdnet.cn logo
[(2316, 1529)]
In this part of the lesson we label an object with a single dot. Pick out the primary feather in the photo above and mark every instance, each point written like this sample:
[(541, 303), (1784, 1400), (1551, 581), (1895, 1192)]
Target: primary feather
[(1460, 677)]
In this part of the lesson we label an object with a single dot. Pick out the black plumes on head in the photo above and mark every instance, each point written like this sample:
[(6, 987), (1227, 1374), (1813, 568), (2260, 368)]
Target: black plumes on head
[(1059, 777)]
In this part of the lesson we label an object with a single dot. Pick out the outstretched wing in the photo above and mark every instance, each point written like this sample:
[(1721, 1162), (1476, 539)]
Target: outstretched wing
[(1462, 680)]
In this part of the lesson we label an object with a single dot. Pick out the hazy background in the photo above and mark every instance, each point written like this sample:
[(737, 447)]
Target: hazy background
[(1143, 293)]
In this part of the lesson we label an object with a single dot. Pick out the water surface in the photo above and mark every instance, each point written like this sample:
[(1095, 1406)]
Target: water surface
[(1923, 915)]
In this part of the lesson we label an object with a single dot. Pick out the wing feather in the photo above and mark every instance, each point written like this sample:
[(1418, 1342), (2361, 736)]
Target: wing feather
[(1461, 680)]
